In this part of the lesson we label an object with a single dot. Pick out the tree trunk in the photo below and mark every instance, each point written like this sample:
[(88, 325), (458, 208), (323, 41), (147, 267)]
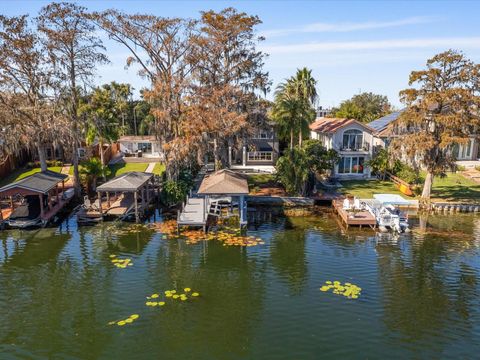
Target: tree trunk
[(291, 139), (300, 138), (74, 118), (427, 189), (216, 154), (42, 158), (102, 158)]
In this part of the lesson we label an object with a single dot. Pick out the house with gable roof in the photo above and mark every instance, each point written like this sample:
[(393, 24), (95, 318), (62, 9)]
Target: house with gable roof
[(385, 132), (352, 140)]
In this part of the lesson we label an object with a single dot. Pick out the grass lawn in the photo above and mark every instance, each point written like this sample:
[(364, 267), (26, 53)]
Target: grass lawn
[(19, 174), (260, 179), (454, 187), (120, 168), (365, 189), (159, 169)]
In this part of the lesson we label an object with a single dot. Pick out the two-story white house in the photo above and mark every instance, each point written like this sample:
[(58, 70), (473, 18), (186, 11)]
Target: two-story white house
[(351, 139)]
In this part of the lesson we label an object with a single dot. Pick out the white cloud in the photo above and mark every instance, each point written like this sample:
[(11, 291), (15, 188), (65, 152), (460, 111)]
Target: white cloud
[(348, 26), (314, 47)]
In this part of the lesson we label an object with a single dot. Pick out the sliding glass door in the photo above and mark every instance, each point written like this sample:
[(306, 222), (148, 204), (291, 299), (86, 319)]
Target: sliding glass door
[(351, 165)]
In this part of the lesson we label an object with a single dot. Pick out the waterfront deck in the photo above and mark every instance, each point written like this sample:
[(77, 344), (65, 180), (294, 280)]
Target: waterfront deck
[(194, 213), (361, 218)]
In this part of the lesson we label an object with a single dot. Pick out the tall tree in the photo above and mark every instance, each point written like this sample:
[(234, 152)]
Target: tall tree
[(26, 90), (103, 110), (159, 48), (228, 75), (364, 107), (75, 51), (442, 111), (294, 104)]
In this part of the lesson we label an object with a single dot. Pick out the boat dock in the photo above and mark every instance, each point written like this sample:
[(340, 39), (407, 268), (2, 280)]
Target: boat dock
[(358, 218), (34, 200), (127, 195), (221, 195), (193, 213)]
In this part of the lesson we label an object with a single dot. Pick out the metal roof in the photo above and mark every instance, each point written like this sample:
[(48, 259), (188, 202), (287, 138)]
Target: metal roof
[(127, 182), (40, 182), (224, 182), (380, 124)]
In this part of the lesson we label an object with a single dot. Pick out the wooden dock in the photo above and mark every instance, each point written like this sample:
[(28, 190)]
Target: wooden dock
[(361, 218), (194, 213)]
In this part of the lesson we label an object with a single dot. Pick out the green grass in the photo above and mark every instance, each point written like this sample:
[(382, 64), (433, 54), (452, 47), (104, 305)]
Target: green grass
[(159, 169), (365, 189), (19, 174), (454, 188), (260, 179), (120, 168)]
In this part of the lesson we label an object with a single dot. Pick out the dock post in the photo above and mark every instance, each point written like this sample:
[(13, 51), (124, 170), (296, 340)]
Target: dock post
[(100, 208), (41, 206), (135, 197)]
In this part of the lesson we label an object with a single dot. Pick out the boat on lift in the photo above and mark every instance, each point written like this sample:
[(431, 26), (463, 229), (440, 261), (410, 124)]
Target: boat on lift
[(387, 212)]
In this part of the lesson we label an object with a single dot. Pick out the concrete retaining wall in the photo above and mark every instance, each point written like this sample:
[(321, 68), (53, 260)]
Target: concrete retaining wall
[(455, 207), (286, 201)]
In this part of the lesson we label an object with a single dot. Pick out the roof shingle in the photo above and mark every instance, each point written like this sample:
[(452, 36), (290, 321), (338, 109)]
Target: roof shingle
[(224, 182)]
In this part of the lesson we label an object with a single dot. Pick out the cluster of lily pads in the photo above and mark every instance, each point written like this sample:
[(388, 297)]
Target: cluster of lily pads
[(126, 321), (172, 294), (348, 290), (229, 236), (121, 263)]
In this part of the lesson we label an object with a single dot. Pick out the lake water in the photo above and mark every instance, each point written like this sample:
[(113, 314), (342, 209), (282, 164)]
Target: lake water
[(420, 292)]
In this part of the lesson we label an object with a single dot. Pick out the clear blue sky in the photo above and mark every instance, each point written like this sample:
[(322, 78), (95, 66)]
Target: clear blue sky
[(351, 46)]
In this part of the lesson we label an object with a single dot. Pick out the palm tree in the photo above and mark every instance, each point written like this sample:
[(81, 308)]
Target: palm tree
[(291, 115), (294, 104), (103, 113), (91, 170)]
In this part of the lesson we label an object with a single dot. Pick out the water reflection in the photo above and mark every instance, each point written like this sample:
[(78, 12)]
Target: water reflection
[(420, 292), (427, 285), (288, 255)]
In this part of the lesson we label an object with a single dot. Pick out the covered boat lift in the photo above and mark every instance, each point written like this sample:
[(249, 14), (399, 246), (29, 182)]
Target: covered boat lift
[(126, 194), (221, 192), (34, 200)]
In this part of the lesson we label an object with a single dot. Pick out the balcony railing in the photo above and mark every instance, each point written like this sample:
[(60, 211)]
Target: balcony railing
[(358, 147)]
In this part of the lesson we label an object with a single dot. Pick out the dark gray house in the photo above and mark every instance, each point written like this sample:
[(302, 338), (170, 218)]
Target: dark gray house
[(259, 148)]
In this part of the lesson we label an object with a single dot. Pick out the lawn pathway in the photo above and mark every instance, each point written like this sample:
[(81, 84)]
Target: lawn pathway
[(150, 168), (65, 170)]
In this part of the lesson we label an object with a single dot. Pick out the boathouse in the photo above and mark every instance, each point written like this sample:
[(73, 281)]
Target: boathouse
[(128, 193), (34, 200), (221, 194)]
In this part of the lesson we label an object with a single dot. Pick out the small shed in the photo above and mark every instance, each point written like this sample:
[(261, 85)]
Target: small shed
[(136, 183)]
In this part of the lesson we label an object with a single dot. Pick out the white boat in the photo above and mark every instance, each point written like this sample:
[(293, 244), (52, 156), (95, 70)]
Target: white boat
[(386, 209)]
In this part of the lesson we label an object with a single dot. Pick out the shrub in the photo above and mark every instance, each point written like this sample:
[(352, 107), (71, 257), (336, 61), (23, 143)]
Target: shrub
[(174, 192), (408, 174)]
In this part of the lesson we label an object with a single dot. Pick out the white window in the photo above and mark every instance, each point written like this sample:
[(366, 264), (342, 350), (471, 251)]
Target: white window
[(352, 140), (81, 153), (260, 156), (464, 151), (263, 134), (351, 165)]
